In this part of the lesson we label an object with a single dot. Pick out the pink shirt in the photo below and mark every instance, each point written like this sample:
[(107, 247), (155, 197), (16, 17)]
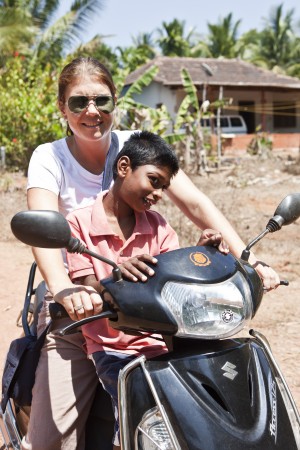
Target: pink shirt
[(151, 235)]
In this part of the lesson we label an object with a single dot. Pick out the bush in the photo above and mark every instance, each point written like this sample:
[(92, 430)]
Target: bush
[(29, 114), (261, 144)]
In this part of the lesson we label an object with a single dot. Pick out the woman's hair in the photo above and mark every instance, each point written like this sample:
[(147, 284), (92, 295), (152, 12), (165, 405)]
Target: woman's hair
[(143, 148), (81, 66)]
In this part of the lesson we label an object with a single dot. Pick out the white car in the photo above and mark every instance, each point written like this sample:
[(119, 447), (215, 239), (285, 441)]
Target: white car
[(229, 124)]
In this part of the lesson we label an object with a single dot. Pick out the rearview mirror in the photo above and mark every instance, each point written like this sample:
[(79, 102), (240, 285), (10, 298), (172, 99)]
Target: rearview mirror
[(288, 211), (45, 229)]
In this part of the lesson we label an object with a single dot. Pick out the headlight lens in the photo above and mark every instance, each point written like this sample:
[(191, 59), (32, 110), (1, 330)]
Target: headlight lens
[(152, 433), (209, 311)]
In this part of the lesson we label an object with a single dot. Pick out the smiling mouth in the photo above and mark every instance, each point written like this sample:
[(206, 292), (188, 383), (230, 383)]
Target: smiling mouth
[(92, 125), (148, 203)]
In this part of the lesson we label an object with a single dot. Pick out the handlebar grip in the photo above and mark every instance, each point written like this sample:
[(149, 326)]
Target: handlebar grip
[(284, 283), (57, 311)]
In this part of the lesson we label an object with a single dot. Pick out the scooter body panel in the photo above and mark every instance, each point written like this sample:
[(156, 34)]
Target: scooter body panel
[(227, 396)]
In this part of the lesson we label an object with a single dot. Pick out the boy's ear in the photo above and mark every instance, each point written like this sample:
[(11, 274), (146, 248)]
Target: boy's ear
[(123, 166)]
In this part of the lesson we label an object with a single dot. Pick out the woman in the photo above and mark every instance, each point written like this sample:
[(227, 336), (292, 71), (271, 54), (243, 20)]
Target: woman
[(65, 175)]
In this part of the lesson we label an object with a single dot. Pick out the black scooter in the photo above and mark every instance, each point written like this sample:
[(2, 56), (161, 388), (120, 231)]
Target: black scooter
[(211, 390)]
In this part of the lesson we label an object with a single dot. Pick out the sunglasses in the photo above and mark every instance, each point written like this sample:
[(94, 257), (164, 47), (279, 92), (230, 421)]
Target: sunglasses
[(104, 103)]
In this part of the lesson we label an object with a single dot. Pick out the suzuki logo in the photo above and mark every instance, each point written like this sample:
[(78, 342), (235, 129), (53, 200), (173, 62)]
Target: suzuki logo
[(229, 370)]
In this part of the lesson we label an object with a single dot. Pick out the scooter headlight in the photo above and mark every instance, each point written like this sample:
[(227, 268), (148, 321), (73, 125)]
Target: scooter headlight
[(152, 433), (209, 311)]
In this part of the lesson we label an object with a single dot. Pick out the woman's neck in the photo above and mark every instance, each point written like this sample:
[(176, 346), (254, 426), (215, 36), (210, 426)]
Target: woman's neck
[(90, 155)]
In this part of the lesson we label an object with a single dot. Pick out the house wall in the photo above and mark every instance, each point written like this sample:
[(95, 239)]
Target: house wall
[(157, 93), (280, 141), (264, 106)]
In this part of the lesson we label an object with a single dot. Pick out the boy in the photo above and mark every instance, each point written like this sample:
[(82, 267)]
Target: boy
[(121, 227)]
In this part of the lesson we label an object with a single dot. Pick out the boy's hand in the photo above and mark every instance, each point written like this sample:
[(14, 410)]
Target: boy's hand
[(214, 238), (135, 269)]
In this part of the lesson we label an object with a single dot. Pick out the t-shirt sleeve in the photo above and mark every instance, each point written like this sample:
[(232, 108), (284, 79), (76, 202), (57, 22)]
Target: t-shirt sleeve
[(79, 265), (44, 171)]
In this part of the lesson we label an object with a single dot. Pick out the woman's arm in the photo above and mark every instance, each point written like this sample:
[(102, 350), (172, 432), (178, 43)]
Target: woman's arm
[(204, 213), (53, 271)]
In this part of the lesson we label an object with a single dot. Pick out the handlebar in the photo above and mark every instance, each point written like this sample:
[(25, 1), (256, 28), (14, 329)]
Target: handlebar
[(57, 311)]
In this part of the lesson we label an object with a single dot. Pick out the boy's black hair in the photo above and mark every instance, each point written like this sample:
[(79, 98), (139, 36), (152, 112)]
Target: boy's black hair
[(144, 148)]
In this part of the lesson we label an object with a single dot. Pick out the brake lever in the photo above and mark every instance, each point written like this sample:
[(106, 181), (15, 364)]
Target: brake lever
[(282, 283), (57, 311), (79, 323)]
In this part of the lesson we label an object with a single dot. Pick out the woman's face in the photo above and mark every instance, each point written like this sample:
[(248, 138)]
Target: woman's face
[(90, 124)]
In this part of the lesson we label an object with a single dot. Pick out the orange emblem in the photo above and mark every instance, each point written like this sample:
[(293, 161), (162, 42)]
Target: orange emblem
[(200, 259)]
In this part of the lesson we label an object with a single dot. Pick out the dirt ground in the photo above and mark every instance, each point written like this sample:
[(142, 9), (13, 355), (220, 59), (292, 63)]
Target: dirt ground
[(247, 190)]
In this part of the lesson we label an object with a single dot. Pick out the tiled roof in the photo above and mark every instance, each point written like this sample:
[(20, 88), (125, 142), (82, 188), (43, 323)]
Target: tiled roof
[(225, 72)]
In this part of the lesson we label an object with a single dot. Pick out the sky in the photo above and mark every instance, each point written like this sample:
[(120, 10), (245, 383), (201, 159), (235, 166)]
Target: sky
[(122, 19)]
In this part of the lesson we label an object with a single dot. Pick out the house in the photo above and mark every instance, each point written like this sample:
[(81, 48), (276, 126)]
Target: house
[(261, 96)]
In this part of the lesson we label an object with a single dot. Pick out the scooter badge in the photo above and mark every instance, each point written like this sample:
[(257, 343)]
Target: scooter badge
[(200, 259)]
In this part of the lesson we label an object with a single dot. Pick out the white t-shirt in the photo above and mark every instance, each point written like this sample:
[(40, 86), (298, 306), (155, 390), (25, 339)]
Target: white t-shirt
[(53, 167)]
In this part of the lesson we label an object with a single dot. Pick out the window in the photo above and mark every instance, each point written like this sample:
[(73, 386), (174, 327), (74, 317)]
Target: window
[(284, 114), (236, 122), (223, 122)]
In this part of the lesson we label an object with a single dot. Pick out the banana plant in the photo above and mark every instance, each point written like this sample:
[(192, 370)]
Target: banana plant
[(187, 126), (132, 114)]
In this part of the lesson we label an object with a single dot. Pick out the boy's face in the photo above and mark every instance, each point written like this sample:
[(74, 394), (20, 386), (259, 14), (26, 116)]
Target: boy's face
[(143, 187)]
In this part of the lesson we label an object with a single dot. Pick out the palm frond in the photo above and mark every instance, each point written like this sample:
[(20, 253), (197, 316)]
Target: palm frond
[(143, 81), (85, 12), (17, 31)]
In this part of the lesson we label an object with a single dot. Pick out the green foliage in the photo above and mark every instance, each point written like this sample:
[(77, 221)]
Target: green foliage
[(143, 81), (16, 26), (29, 115), (97, 49), (222, 38), (28, 83), (190, 145), (26, 27), (172, 40), (129, 113), (261, 144), (276, 47)]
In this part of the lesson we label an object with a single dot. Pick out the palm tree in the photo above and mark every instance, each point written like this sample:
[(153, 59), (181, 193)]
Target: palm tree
[(17, 30), (99, 50), (293, 68), (276, 39), (276, 47), (145, 41), (44, 39), (139, 53), (172, 40), (222, 39)]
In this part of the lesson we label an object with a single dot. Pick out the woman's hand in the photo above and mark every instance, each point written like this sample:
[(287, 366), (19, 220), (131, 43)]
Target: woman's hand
[(80, 301), (136, 268), (268, 275), (215, 239)]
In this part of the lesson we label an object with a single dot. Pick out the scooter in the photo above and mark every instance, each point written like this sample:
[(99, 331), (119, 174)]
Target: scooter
[(212, 390)]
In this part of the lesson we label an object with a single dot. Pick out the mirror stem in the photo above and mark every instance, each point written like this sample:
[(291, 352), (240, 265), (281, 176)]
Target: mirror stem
[(75, 246), (246, 253)]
